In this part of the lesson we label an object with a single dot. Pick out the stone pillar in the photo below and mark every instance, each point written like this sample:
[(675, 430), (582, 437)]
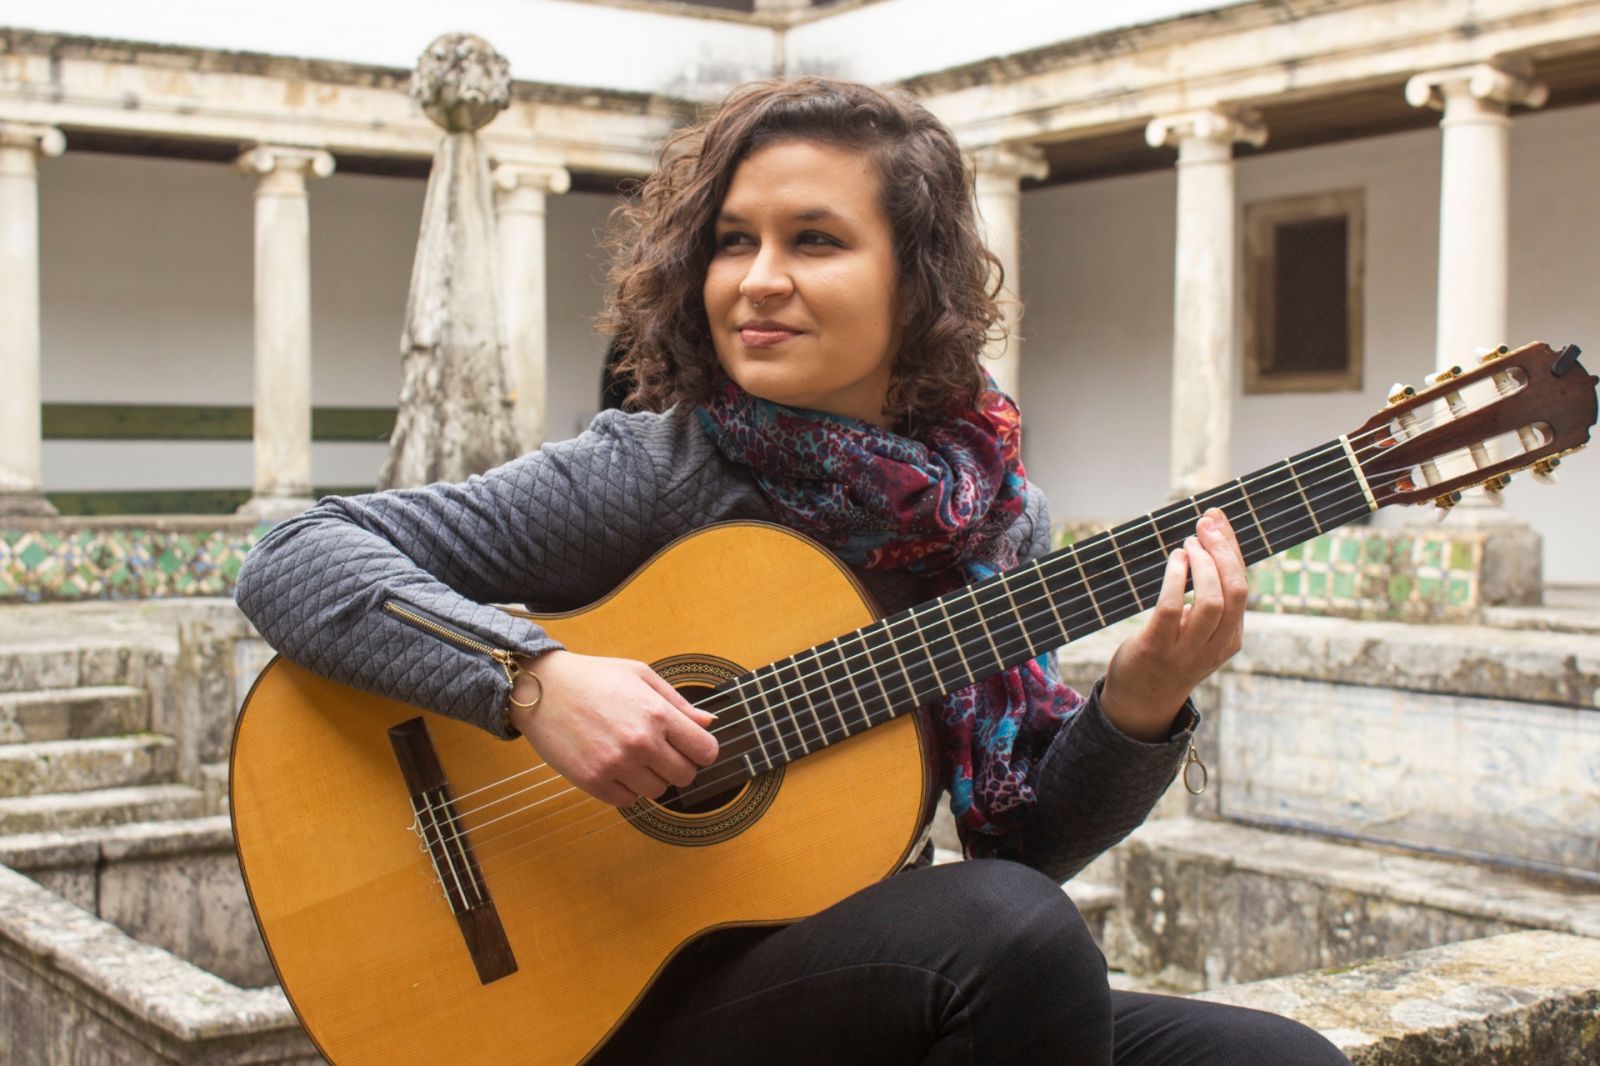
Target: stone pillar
[(1203, 340), (283, 328), (520, 191), (999, 170), (1474, 234), (21, 446), (1474, 201)]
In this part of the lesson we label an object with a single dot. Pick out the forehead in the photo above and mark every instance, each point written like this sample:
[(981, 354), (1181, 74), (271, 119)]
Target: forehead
[(799, 177)]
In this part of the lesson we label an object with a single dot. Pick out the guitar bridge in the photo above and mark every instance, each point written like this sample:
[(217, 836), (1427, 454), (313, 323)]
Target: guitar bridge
[(445, 841)]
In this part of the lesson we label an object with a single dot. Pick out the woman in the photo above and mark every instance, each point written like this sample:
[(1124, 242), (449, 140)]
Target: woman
[(802, 297)]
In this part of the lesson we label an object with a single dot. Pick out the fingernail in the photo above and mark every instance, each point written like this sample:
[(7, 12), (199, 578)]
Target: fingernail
[(1206, 525)]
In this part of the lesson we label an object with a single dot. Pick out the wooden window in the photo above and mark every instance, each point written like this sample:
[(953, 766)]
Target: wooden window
[(1303, 271)]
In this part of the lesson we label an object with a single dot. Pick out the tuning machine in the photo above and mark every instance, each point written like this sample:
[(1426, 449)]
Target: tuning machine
[(1544, 471), (1489, 355)]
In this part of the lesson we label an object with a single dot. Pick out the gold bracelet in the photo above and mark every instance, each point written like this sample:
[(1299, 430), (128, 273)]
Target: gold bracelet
[(512, 696)]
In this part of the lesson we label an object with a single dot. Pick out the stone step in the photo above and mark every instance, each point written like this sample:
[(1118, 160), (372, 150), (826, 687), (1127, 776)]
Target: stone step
[(110, 806), (48, 766), (1529, 997), (1209, 903), (66, 714)]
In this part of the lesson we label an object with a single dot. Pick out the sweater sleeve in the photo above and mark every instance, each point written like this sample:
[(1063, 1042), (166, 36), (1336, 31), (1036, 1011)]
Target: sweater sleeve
[(387, 592), (1095, 784)]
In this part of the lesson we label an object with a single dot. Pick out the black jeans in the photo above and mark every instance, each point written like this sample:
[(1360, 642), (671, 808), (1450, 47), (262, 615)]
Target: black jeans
[(969, 963)]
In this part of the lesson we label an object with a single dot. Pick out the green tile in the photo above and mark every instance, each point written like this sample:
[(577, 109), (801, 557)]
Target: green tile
[(1320, 549), (1429, 589), (1344, 585), (1291, 583), (1349, 550), (1399, 588), (1459, 592), (1461, 554), (32, 555), (1317, 583)]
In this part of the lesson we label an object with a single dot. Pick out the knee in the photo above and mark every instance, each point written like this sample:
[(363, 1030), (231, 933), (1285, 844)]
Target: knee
[(1033, 937)]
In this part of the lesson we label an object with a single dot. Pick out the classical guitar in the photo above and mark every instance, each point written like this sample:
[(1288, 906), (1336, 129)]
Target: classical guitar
[(430, 894)]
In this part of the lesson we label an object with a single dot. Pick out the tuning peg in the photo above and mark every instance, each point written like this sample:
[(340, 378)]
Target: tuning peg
[(1489, 355), (1544, 471), (1399, 393), (1444, 503), (1497, 484), (1443, 375)]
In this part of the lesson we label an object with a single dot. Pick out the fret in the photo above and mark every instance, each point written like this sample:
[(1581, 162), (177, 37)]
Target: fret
[(1230, 499), (772, 719), (1112, 538), (1066, 578), (1336, 495), (977, 609), (1155, 531), (955, 639), (808, 691), (1278, 507), (1022, 626), (1145, 557), (1174, 524), (1244, 494), (791, 694), (850, 676), (1108, 588), (1008, 634), (1301, 489), (829, 671), (927, 651), (883, 688), (1077, 561), (1050, 599), (893, 643)]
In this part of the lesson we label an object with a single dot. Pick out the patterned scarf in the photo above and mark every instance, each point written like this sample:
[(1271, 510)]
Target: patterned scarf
[(940, 507)]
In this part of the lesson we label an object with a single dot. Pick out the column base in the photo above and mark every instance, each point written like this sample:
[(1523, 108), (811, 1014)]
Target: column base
[(27, 504), (274, 508)]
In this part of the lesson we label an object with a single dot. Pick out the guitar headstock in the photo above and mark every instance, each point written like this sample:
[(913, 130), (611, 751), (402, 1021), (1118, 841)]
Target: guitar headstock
[(1516, 410)]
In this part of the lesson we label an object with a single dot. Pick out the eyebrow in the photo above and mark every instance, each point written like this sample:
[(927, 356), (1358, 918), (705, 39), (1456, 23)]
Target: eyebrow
[(810, 214)]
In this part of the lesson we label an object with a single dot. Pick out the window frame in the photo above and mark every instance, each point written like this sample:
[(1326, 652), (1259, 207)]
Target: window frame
[(1261, 220)]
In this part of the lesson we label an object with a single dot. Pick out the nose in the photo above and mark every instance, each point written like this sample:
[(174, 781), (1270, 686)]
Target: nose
[(768, 276)]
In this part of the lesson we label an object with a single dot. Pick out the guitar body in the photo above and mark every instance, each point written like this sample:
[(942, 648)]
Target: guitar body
[(593, 900)]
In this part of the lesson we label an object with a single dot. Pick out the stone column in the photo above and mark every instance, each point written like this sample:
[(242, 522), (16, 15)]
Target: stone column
[(999, 170), (520, 191), (1203, 341), (1474, 234), (1474, 201), (283, 328), (21, 448)]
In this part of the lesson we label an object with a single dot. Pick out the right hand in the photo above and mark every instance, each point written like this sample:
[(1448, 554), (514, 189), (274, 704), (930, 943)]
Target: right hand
[(612, 727)]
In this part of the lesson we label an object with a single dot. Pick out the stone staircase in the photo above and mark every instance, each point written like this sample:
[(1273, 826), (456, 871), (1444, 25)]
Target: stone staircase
[(80, 741)]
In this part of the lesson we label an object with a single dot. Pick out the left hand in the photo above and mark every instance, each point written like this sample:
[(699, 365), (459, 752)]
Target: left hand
[(1154, 670)]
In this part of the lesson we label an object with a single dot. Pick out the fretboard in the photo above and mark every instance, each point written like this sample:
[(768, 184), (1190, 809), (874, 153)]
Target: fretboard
[(860, 679)]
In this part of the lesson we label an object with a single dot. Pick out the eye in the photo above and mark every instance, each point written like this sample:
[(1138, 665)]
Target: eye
[(733, 239), (816, 239)]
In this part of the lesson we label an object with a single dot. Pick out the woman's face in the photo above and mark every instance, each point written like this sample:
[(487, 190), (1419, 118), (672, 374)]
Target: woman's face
[(801, 293)]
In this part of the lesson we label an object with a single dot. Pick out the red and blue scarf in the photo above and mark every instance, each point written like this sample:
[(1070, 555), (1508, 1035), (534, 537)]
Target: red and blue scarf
[(939, 506)]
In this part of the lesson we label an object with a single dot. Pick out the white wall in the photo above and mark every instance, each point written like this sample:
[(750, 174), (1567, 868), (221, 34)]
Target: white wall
[(146, 271), (1097, 274)]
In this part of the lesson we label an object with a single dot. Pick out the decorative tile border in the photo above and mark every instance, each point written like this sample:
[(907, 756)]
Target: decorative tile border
[(1402, 574), (87, 560)]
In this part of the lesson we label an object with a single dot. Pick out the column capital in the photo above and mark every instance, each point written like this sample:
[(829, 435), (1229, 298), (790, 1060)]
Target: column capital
[(1218, 126), (270, 161), (1496, 83), (1010, 162), (44, 140), (510, 176)]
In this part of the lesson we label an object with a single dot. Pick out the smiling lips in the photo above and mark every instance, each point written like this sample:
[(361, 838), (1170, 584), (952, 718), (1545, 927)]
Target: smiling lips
[(765, 333)]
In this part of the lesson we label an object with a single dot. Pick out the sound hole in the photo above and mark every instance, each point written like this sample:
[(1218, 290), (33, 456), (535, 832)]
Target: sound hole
[(697, 799)]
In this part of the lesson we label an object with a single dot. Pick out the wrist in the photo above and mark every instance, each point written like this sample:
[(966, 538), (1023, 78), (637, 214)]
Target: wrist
[(1143, 716)]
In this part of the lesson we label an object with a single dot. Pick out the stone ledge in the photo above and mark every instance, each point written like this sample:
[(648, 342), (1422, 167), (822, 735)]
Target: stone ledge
[(1530, 997), (1209, 903), (65, 962)]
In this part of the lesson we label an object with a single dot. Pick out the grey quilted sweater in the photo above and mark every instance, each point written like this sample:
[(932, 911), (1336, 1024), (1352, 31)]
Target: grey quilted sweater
[(557, 529)]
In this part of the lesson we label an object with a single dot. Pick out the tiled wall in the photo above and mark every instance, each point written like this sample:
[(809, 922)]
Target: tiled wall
[(99, 561)]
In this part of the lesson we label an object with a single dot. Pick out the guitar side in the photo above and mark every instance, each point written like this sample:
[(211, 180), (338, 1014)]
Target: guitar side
[(592, 906)]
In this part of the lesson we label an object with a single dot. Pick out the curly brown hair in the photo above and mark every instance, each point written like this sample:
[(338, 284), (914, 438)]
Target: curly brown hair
[(663, 239)]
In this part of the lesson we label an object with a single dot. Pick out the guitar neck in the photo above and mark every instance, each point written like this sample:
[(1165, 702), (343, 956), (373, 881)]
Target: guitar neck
[(860, 679)]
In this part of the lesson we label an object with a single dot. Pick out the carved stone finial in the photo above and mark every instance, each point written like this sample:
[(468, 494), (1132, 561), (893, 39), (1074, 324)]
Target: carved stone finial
[(461, 82)]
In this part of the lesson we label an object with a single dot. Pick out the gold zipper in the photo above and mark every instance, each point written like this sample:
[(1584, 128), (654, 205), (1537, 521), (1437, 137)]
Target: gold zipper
[(507, 661), (1191, 758)]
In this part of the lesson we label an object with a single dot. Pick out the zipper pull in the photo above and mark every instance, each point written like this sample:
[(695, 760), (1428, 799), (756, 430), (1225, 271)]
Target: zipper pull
[(1192, 758), (508, 663)]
